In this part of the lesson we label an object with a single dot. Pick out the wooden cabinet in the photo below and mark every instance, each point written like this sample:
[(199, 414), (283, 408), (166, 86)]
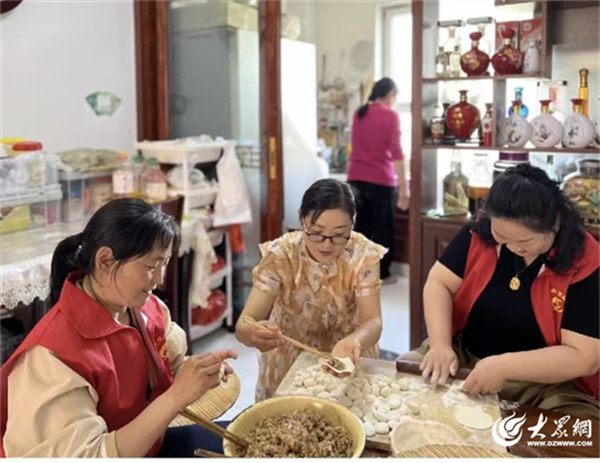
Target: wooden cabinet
[(565, 48)]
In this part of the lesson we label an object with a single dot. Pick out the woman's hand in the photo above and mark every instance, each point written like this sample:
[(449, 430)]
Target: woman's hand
[(199, 374), (348, 347), (403, 201), (487, 376), (439, 362), (266, 340)]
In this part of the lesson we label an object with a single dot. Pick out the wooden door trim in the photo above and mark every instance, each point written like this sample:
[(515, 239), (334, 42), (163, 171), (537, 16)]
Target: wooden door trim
[(271, 165), (152, 69)]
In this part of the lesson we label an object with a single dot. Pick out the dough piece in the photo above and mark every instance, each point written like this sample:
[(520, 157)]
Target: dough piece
[(384, 408), (375, 390), (357, 411), (366, 389), (353, 393), (318, 389), (385, 391), (360, 403), (394, 403), (298, 380), (369, 418), (331, 386), (309, 382), (381, 428), (392, 424), (324, 395), (472, 417), (412, 433), (403, 384), (369, 398), (345, 401), (395, 388), (369, 429), (379, 416)]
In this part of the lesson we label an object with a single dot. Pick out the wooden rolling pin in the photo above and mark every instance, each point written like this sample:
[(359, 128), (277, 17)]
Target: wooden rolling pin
[(407, 366)]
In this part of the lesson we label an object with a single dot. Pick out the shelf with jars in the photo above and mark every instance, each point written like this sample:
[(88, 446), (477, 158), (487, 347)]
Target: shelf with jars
[(509, 101)]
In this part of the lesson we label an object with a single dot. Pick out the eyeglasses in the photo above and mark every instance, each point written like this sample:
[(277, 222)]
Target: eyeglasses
[(318, 238)]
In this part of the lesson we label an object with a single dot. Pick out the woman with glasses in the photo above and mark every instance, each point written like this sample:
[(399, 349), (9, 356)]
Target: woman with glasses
[(320, 286)]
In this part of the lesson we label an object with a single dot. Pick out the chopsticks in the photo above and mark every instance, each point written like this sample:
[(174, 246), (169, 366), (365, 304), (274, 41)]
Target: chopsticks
[(215, 428), (300, 345), (209, 454)]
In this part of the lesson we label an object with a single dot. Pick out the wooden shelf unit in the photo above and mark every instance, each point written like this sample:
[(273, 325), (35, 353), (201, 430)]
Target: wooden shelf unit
[(429, 236)]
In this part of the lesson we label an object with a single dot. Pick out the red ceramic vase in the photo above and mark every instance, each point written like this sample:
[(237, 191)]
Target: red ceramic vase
[(474, 62), (463, 118), (507, 60)]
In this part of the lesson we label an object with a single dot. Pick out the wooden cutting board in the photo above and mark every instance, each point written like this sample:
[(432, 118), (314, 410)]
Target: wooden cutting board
[(433, 403)]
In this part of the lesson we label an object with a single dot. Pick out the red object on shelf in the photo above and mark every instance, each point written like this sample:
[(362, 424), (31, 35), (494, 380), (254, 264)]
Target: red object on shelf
[(27, 146), (216, 305), (236, 238), (508, 59), (475, 62), (218, 265), (463, 118)]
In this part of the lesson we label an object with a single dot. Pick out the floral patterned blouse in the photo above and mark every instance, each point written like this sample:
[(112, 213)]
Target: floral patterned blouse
[(315, 303)]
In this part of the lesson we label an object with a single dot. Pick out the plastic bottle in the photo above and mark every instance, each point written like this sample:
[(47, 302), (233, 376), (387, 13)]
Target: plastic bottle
[(154, 182), (123, 178)]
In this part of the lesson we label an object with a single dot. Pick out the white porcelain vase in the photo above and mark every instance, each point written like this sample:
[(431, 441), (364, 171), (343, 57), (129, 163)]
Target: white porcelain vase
[(547, 131), (516, 131), (578, 131)]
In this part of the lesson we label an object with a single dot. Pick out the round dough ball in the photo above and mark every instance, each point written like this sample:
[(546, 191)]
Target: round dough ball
[(360, 403), (366, 389), (379, 416), (353, 393), (330, 387), (309, 382), (384, 408), (385, 391), (369, 398), (375, 389), (472, 417), (369, 418), (392, 424), (369, 429), (403, 384), (298, 380), (324, 395), (381, 428), (345, 401), (394, 403)]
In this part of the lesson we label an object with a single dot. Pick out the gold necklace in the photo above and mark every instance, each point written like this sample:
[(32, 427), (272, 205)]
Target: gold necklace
[(515, 282)]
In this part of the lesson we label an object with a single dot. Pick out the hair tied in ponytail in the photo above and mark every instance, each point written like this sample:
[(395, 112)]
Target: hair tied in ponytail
[(78, 253)]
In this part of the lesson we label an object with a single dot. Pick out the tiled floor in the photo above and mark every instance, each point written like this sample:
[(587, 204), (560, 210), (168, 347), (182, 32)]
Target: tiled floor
[(394, 301)]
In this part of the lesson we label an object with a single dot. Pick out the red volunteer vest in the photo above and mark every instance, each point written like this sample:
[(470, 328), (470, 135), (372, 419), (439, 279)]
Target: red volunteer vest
[(113, 358), (548, 293)]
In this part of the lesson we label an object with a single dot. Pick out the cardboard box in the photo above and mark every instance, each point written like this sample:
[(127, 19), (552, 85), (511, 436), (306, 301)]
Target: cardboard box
[(530, 30), (507, 25)]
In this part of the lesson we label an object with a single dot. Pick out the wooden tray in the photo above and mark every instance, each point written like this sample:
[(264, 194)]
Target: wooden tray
[(432, 403)]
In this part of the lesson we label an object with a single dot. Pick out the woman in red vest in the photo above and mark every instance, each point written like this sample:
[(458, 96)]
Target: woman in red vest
[(104, 372), (515, 297)]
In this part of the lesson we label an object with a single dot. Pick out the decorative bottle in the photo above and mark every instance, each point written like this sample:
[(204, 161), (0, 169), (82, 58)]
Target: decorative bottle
[(516, 130), (532, 59), (487, 124), (441, 63), (519, 96), (578, 130), (437, 126), (474, 62), (507, 60), (455, 62), (547, 131), (463, 118), (583, 91), (583, 189)]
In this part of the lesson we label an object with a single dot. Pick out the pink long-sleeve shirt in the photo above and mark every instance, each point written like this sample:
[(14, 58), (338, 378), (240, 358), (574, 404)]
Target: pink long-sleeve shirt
[(375, 146)]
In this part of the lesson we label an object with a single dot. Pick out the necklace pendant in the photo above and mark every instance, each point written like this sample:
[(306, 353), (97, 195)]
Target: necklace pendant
[(515, 283)]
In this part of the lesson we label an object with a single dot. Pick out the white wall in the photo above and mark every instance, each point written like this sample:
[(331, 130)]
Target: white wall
[(54, 54)]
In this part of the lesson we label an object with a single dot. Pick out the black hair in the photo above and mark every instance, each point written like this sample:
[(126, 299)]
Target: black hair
[(380, 90), (527, 195), (326, 194), (130, 227)]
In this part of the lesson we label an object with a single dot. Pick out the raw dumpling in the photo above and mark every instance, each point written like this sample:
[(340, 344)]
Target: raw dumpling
[(369, 418), (357, 411), (379, 416), (360, 403), (381, 428), (394, 403), (353, 393), (345, 401), (385, 391), (369, 429)]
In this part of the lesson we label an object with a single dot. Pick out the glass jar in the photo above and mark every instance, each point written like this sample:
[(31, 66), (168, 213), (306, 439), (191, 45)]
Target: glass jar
[(437, 126), (583, 189), (479, 183), (441, 63), (123, 178), (455, 188), (154, 182)]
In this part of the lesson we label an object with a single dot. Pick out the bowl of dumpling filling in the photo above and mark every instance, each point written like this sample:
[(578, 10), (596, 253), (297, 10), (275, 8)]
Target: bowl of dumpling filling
[(297, 427)]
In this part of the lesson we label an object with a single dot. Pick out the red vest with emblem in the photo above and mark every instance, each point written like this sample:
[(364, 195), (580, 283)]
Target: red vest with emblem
[(548, 293), (117, 360)]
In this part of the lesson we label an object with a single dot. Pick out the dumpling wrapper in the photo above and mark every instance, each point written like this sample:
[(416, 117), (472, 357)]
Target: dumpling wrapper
[(472, 417), (346, 371)]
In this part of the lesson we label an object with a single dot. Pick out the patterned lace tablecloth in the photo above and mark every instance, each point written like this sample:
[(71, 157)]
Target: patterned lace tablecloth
[(25, 259)]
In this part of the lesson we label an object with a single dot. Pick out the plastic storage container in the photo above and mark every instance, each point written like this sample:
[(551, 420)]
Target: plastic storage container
[(38, 208), (84, 193)]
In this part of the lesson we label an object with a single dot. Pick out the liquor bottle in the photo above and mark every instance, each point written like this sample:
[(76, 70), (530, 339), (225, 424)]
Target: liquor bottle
[(455, 188), (441, 63), (519, 96), (486, 126), (437, 126), (455, 62), (583, 92)]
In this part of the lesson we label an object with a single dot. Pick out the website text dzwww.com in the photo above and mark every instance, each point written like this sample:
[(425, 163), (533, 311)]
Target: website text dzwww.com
[(560, 443)]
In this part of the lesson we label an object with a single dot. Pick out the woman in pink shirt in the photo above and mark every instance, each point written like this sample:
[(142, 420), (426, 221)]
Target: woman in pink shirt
[(377, 169)]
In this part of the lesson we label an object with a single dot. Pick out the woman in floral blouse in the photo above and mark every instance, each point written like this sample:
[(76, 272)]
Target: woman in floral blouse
[(320, 286)]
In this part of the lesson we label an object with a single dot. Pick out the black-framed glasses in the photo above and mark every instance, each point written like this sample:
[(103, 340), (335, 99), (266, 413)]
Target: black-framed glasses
[(319, 238)]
